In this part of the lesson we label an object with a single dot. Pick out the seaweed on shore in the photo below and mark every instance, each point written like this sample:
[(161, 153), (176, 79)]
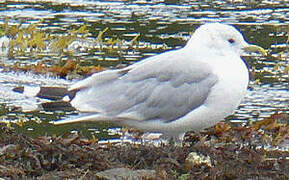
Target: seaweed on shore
[(241, 152)]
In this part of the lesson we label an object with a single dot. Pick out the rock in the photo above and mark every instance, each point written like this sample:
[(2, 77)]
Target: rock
[(9, 149), (125, 173), (195, 159)]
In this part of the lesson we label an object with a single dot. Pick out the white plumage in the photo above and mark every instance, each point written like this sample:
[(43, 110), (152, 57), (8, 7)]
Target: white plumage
[(186, 89)]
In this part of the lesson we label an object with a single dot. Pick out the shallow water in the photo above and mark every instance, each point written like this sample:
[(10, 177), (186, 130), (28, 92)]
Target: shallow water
[(162, 25)]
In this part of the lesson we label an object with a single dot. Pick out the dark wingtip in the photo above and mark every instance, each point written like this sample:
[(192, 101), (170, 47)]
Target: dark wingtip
[(71, 94), (18, 89), (56, 94), (57, 105), (52, 93)]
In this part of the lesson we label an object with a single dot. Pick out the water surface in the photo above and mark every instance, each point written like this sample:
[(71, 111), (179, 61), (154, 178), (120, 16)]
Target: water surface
[(160, 26)]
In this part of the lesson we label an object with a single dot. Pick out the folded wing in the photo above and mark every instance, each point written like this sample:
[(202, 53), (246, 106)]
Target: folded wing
[(164, 87)]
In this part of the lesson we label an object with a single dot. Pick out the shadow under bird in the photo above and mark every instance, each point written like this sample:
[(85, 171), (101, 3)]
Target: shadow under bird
[(191, 88)]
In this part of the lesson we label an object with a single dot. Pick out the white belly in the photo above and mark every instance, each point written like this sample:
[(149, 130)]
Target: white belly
[(223, 99)]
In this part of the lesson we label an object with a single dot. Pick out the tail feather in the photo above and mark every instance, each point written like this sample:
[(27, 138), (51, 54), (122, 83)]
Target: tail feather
[(86, 117)]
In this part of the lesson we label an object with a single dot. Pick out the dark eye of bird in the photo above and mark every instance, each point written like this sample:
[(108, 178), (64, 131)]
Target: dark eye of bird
[(231, 41)]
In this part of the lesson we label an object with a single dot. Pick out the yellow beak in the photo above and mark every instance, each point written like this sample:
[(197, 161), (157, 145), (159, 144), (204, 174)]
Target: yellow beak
[(255, 48)]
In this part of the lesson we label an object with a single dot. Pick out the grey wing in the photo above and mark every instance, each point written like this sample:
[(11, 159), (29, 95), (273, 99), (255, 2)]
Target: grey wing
[(165, 87)]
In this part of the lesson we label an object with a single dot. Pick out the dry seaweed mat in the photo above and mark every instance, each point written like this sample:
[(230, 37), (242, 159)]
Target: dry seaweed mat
[(259, 150)]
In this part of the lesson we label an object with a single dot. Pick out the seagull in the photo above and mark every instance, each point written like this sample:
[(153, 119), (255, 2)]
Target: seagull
[(181, 90)]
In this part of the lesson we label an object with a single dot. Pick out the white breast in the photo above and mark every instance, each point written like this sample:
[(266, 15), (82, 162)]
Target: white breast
[(232, 85), (228, 92)]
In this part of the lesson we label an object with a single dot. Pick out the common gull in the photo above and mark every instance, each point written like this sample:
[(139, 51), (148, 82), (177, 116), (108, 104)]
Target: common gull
[(191, 88)]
